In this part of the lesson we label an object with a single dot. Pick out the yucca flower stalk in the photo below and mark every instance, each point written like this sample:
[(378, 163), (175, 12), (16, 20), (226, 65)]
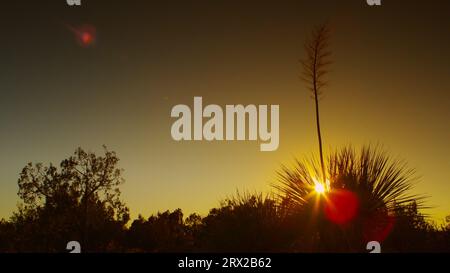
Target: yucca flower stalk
[(315, 67)]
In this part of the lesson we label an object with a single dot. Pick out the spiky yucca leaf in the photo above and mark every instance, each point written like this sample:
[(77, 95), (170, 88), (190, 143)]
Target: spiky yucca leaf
[(379, 181)]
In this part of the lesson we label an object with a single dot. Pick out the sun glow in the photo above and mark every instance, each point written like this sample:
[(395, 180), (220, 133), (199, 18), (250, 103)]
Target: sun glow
[(320, 187)]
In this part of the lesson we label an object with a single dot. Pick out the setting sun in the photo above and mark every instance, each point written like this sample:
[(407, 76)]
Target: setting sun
[(319, 188)]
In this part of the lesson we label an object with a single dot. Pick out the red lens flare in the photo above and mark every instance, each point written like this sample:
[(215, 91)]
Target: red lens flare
[(378, 226), (86, 38), (341, 206), (85, 35)]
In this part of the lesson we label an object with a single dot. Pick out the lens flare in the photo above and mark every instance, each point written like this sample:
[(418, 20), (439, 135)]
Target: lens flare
[(341, 206), (378, 226), (85, 35)]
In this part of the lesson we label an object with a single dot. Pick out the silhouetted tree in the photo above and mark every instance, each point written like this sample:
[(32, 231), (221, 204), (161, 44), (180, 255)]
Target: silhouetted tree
[(411, 232), (78, 199), (193, 225), (164, 232), (6, 236)]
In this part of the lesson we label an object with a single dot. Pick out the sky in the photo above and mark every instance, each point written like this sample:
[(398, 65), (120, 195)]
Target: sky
[(389, 85)]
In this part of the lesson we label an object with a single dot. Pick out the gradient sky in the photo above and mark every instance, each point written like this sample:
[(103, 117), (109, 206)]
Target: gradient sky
[(390, 85)]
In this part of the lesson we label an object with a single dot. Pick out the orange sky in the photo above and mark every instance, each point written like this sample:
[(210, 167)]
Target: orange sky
[(389, 85)]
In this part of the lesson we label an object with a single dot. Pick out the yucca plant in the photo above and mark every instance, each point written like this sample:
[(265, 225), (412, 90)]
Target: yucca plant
[(365, 189)]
